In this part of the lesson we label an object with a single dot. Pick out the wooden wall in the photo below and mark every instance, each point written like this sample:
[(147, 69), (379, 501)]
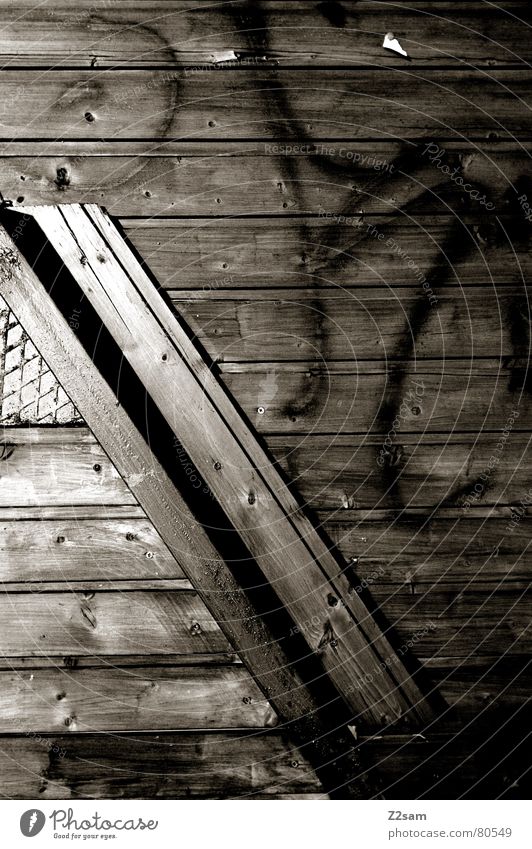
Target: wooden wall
[(272, 165)]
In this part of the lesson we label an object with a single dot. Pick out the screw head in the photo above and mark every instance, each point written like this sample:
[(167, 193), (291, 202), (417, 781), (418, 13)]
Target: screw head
[(261, 411), (217, 465)]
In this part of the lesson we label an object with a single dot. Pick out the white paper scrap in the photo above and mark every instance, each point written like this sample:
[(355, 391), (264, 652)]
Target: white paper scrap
[(391, 43)]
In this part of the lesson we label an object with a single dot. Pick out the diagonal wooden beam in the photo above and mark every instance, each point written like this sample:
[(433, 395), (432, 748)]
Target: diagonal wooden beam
[(319, 730), (306, 576)]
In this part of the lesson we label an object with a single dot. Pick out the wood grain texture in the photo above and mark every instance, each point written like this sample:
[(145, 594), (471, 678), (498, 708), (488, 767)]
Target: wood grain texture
[(150, 766), (421, 471), (101, 623), (363, 324), (209, 428), (150, 33), (418, 550), (170, 513), (404, 103), (41, 474), (224, 254), (181, 178), (84, 550), (114, 699), (329, 473), (335, 398)]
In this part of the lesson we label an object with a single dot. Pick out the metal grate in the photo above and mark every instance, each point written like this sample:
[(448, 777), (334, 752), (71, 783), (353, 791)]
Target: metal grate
[(29, 392)]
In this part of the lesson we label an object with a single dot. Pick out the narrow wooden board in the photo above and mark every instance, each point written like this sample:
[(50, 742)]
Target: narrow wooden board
[(429, 396), (156, 177), (154, 766), (52, 473), (91, 550), (376, 324), (341, 473), (113, 699), (224, 254), (421, 550), (207, 37), (210, 428), (107, 623), (401, 103), (279, 681)]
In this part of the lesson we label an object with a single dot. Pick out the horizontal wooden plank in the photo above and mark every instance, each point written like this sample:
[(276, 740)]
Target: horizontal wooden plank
[(202, 38), (158, 178), (106, 623), (450, 619), (139, 661), (423, 471), (149, 766), (224, 254), (483, 689), (418, 550), (78, 550), (330, 473), (318, 104), (402, 548), (364, 397), (75, 473), (476, 763), (113, 699), (336, 324), (458, 620)]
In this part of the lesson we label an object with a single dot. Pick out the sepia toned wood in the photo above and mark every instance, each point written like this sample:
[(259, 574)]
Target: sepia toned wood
[(417, 550), (338, 324), (42, 474), (420, 471), (150, 33), (311, 104), (112, 622), (91, 550), (155, 766), (194, 178), (209, 428), (224, 254), (147, 480), (114, 699), (340, 473), (335, 398)]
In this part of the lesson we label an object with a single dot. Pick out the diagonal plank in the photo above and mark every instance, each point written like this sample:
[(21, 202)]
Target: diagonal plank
[(294, 559), (316, 727)]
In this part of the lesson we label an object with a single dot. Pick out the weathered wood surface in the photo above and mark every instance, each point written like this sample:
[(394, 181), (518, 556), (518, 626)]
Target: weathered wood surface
[(182, 178), (113, 699), (224, 254), (420, 471), (229, 605), (154, 766), (481, 762), (71, 473), (477, 763), (388, 547), (454, 619), (363, 324), (75, 550), (310, 104), (421, 550), (150, 33), (329, 473), (364, 397), (112, 622), (211, 430)]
